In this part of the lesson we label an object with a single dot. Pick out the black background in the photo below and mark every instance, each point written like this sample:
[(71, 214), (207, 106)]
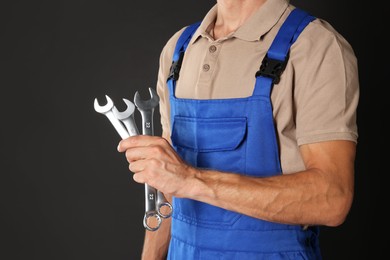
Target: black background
[(66, 192)]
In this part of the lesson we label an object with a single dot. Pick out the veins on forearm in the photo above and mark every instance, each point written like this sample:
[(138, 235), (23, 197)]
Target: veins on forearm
[(290, 200)]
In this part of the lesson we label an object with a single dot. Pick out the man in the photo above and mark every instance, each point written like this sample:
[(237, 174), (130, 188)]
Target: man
[(254, 160)]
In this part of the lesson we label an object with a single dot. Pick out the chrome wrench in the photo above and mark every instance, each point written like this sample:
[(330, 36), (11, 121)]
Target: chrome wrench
[(152, 219), (107, 111), (146, 108)]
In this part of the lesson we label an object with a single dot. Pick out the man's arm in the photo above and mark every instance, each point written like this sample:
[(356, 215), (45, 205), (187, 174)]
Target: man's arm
[(156, 242), (322, 194)]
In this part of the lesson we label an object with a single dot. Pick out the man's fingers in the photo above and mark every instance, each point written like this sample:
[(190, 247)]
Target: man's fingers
[(138, 141), (138, 178), (138, 153), (136, 166)]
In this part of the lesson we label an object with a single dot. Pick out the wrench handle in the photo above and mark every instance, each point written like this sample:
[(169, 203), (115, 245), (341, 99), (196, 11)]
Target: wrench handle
[(147, 124), (164, 208), (117, 125), (131, 126), (150, 198)]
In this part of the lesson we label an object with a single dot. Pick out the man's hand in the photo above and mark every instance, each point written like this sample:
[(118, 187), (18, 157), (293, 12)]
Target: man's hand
[(153, 161)]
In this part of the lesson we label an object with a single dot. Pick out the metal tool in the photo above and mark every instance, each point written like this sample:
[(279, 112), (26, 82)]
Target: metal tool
[(127, 117), (146, 108), (107, 111), (152, 219)]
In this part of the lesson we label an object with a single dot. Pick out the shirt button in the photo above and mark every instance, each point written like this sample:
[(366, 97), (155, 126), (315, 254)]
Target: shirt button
[(212, 48), (206, 67)]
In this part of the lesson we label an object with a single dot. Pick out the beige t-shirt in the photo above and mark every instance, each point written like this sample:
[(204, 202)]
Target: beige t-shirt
[(315, 100)]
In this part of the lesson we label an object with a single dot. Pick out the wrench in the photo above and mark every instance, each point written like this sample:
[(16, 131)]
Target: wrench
[(152, 219), (146, 108), (107, 111), (127, 117)]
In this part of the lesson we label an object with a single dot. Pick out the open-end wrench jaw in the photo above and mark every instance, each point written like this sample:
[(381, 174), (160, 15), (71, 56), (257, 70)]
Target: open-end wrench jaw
[(146, 104), (107, 111), (103, 109), (128, 112), (127, 117)]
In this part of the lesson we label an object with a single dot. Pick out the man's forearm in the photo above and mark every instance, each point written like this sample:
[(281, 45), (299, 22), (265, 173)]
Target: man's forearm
[(314, 196), (289, 199)]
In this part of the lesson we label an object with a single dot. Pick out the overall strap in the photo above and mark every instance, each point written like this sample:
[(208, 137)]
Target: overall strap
[(277, 55), (181, 46)]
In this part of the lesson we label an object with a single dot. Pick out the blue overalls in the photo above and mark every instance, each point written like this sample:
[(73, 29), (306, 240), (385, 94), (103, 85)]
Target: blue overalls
[(234, 135)]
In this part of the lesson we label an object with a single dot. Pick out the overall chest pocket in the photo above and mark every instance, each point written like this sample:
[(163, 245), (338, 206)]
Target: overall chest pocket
[(209, 143)]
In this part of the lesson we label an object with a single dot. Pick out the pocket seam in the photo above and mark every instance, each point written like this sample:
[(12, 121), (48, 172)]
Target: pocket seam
[(242, 121)]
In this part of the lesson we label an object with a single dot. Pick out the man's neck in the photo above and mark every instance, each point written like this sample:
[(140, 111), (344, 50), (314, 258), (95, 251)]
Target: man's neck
[(232, 14)]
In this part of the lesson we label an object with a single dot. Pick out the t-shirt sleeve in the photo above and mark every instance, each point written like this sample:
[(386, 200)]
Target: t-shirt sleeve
[(162, 88), (326, 86)]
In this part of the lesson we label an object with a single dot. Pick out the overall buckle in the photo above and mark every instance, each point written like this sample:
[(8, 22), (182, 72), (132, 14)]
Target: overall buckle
[(272, 68), (175, 67)]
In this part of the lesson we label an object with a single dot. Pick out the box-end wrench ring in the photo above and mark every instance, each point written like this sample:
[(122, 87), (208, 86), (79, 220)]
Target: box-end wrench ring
[(152, 219)]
